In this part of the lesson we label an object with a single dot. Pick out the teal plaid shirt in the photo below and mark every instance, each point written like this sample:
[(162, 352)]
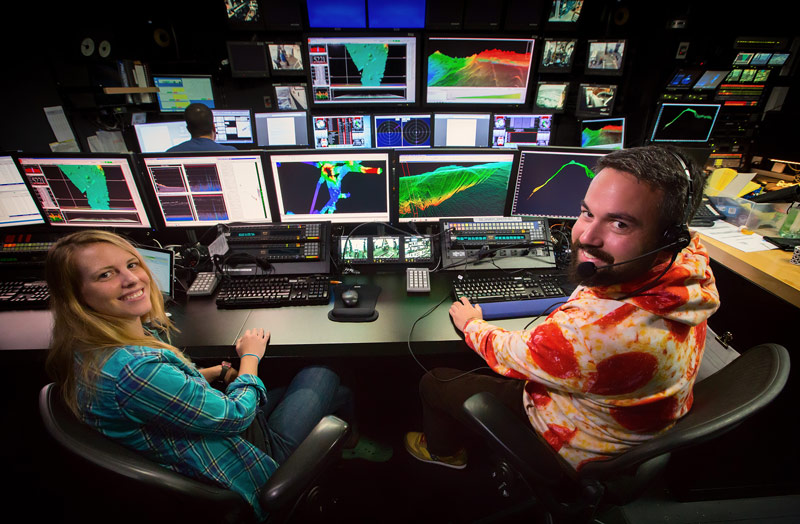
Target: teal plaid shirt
[(150, 401)]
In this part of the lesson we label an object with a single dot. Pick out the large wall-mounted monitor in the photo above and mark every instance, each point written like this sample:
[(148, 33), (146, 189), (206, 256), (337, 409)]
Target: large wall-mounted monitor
[(282, 129), (203, 189), (401, 131), (461, 129), (685, 122), (552, 182), (233, 126), (342, 14), (176, 92), (17, 206), (391, 14), (248, 59), (603, 133), (85, 190), (160, 136), (521, 130), (359, 70), (343, 187), (342, 132), (605, 57), (478, 70), (452, 184)]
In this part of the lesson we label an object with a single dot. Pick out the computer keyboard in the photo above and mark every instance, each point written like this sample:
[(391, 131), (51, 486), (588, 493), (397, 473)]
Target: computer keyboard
[(512, 296), (706, 215), (273, 291), (23, 294)]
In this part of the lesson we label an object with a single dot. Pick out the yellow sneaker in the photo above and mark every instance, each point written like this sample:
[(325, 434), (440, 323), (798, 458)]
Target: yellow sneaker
[(417, 446)]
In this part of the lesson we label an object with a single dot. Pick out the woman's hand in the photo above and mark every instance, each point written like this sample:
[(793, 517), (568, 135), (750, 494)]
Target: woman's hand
[(253, 342), (462, 312)]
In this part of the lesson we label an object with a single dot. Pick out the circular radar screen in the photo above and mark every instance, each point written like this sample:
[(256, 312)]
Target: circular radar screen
[(417, 132), (390, 133)]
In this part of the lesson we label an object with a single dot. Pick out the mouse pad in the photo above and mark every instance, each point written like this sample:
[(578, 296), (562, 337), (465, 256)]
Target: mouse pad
[(363, 311)]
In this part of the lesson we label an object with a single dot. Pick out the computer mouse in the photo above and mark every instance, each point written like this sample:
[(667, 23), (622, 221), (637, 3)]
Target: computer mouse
[(350, 297)]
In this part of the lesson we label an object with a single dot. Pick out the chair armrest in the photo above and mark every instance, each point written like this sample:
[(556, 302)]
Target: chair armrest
[(514, 440), (319, 449)]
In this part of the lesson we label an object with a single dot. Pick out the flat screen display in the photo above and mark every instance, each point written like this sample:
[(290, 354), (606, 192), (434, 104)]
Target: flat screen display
[(248, 59), (389, 14), (595, 100), (345, 14), (176, 92), (478, 70), (161, 263), (398, 131), (340, 132), (158, 137), (606, 57), (521, 130), (285, 58), (461, 129), (557, 55), (288, 128), (603, 133), (233, 126), (711, 79), (17, 206), (685, 122), (551, 96)]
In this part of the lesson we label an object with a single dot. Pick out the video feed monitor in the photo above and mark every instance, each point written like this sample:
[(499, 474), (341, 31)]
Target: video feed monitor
[(285, 58), (557, 56), (244, 14), (386, 249), (478, 70), (684, 79), (17, 206), (565, 11), (176, 92), (449, 184), (685, 122), (347, 187), (206, 189), (606, 57), (248, 59), (743, 58), (344, 14), (461, 130), (398, 131), (390, 14), (233, 126), (363, 70), (778, 59), (710, 80), (552, 183), (161, 263), (282, 129), (760, 59), (340, 132), (734, 76), (551, 96), (158, 137), (603, 133), (595, 100), (291, 97), (86, 191), (521, 130)]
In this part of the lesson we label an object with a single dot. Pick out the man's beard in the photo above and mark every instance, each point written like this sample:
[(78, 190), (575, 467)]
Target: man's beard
[(603, 276)]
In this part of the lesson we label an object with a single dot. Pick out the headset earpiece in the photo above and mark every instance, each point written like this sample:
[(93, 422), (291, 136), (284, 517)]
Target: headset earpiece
[(678, 235)]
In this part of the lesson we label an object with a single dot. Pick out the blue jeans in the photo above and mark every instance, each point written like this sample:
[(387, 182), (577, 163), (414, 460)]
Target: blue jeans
[(292, 412)]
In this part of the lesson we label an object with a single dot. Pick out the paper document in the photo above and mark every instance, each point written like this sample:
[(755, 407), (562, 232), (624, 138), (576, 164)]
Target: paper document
[(730, 235), (59, 124), (715, 356), (726, 182)]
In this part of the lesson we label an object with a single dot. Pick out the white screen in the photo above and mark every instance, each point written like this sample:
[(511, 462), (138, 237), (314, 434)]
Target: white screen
[(157, 138), (160, 265), (17, 206)]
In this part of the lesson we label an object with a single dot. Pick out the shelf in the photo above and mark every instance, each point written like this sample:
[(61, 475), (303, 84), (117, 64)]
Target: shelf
[(129, 90), (772, 174)]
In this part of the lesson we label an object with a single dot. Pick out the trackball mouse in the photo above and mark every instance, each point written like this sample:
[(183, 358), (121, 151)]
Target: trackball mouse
[(350, 297)]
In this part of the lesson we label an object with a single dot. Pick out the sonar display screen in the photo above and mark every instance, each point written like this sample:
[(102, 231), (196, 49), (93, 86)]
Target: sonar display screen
[(403, 131), (341, 187), (447, 185), (363, 70), (478, 70), (552, 183), (685, 122)]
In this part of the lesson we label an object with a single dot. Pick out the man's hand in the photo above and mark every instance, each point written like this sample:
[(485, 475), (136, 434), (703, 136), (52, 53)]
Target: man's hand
[(462, 312)]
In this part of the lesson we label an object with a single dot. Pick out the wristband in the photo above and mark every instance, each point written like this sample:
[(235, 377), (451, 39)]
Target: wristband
[(250, 355)]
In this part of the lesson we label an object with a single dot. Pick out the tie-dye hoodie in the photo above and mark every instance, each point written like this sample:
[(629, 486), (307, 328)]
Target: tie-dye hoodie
[(605, 374)]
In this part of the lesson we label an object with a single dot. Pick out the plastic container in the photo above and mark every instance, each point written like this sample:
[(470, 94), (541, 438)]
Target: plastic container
[(763, 218)]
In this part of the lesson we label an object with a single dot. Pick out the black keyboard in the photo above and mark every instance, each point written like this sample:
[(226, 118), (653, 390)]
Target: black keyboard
[(706, 215), (23, 294), (512, 296), (273, 291)]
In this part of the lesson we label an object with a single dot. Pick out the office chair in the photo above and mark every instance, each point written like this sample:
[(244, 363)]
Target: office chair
[(136, 489), (721, 402)]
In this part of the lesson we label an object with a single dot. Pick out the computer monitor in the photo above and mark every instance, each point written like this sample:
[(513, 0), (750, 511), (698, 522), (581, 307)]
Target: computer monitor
[(282, 129), (359, 70), (345, 14), (565, 12), (160, 136), (684, 122), (557, 55), (244, 14), (551, 96), (605, 57), (342, 132), (386, 249), (391, 14), (248, 59), (285, 58), (595, 100), (684, 78), (521, 130), (343, 187), (176, 92), (711, 79), (461, 129), (453, 183), (478, 70), (291, 97), (85, 190), (399, 131), (161, 263), (202, 189), (233, 126), (17, 206), (603, 133), (552, 182)]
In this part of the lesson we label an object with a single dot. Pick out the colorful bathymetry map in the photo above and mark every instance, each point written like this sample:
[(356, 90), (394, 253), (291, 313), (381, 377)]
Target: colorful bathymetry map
[(454, 190), (370, 59), (331, 174), (489, 68), (91, 181)]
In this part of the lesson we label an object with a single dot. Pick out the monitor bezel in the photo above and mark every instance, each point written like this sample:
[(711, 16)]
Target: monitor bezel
[(281, 113), (622, 145), (606, 72), (178, 75), (555, 69), (552, 110), (298, 73), (42, 222), (136, 128), (657, 118), (520, 144), (236, 25), (249, 73), (421, 114), (434, 114), (171, 292), (235, 142), (581, 112), (275, 87), (339, 114)]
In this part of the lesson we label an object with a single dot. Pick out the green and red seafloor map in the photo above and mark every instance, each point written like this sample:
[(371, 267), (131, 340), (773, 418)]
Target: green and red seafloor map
[(489, 68)]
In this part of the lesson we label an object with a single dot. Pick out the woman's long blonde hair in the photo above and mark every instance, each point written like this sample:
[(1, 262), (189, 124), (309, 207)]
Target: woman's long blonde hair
[(77, 328)]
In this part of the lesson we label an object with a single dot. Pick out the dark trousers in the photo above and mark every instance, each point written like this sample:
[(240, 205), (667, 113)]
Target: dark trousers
[(443, 396)]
